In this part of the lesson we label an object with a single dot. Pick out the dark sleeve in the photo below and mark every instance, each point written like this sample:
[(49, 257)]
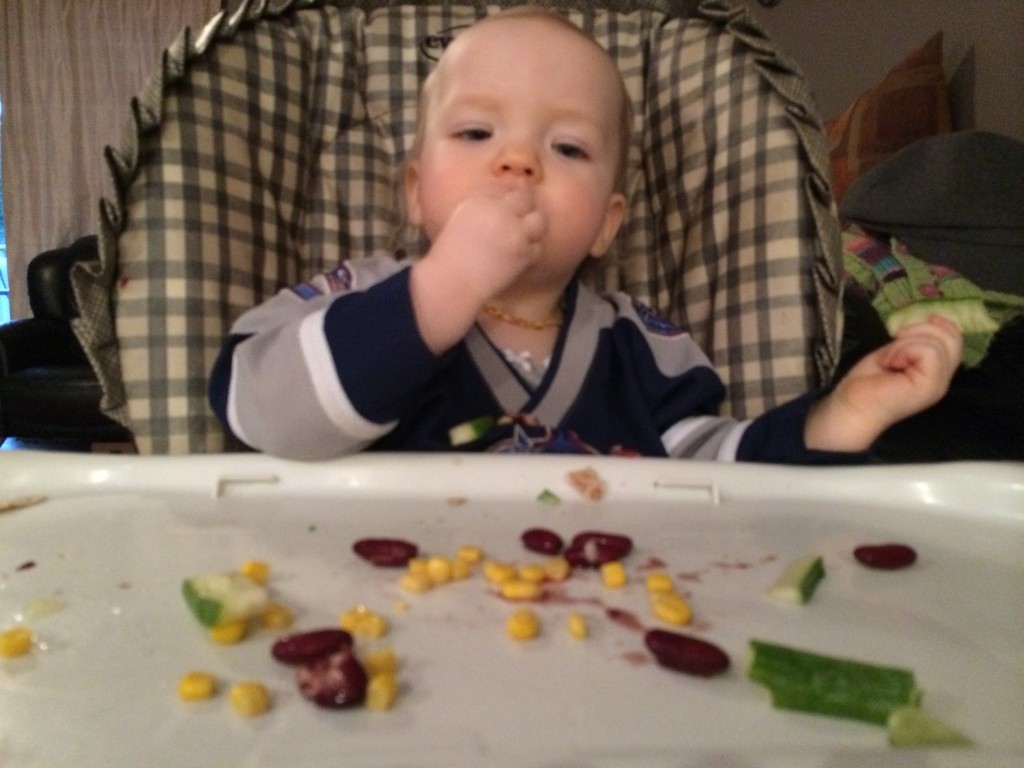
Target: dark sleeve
[(777, 437)]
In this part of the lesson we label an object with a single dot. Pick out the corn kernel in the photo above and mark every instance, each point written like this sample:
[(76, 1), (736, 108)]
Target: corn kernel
[(659, 582), (373, 626), (439, 569), (517, 589), (417, 583), (497, 572), (277, 616), (196, 686), (523, 625), (460, 569), (363, 622), (470, 554), (230, 632), (380, 661), (578, 625), (351, 618), (557, 569), (249, 699), (381, 691), (417, 565), (256, 570), (533, 573), (613, 574), (671, 608), (15, 642)]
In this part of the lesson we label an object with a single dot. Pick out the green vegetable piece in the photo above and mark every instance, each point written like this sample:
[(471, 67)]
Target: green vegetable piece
[(798, 582), (913, 727), (968, 313), (827, 685), (548, 497), (218, 598), (471, 430)]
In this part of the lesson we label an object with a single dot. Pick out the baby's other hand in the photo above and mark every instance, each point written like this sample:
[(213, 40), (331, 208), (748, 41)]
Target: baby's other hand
[(904, 377)]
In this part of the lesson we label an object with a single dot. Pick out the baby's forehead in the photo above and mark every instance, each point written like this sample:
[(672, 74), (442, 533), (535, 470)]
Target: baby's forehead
[(515, 29), (520, 40)]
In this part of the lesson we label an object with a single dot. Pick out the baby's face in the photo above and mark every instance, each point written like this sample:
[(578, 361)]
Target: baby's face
[(524, 101)]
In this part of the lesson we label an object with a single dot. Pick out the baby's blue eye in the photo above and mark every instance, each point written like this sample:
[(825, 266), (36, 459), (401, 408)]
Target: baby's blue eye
[(571, 151)]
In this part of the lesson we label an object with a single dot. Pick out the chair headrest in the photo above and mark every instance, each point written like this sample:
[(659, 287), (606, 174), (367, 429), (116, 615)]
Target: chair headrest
[(49, 279)]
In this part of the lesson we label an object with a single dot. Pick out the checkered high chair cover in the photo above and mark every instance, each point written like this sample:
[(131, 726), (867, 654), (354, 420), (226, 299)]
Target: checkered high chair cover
[(269, 146)]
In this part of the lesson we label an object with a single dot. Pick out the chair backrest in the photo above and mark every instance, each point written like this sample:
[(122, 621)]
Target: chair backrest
[(269, 146)]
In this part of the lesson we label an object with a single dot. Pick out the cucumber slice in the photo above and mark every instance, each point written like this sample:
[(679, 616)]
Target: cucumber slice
[(218, 598), (828, 685), (969, 314), (798, 582), (471, 430), (913, 727)]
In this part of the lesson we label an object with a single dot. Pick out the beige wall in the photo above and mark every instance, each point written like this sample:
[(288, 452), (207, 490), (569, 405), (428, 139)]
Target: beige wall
[(845, 46)]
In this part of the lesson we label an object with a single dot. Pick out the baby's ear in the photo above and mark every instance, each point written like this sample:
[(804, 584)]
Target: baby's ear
[(613, 218), (413, 211)]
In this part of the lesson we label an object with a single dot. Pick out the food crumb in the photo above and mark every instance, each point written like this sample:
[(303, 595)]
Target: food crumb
[(587, 483), (43, 607), (547, 496), (21, 502)]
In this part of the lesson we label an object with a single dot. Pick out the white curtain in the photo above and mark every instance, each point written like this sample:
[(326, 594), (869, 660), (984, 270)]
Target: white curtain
[(68, 71)]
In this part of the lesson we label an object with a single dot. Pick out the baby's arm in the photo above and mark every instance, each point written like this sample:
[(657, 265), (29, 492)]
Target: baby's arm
[(490, 238), (904, 377), (325, 369)]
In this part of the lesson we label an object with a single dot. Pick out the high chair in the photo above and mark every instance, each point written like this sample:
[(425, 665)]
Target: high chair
[(269, 146)]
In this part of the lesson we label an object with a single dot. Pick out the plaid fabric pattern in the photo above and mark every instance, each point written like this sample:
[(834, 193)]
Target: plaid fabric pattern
[(270, 146)]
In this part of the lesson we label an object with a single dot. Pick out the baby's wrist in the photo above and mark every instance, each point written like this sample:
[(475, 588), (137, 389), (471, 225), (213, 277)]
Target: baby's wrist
[(832, 426)]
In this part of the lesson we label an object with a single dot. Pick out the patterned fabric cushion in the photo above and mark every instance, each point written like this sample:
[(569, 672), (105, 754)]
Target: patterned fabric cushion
[(910, 103), (270, 146)]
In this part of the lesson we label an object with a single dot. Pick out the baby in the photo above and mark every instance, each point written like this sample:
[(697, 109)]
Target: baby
[(489, 341)]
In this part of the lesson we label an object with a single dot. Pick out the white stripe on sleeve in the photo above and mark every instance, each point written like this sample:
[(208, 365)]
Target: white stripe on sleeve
[(326, 383)]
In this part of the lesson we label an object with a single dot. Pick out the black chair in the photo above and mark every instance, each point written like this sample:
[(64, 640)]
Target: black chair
[(48, 390)]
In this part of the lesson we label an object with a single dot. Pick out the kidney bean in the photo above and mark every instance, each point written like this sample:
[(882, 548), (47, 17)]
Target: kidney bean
[(542, 541), (684, 653), (307, 646), (386, 553), (889, 557), (592, 549), (335, 681)]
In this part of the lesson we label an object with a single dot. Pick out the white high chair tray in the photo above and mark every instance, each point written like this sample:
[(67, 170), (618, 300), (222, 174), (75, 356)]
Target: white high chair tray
[(95, 571)]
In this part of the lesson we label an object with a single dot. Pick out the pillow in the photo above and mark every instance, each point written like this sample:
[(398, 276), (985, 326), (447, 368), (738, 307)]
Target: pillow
[(911, 102)]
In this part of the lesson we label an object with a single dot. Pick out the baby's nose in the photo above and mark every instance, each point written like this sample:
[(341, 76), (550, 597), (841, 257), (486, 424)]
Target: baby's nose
[(520, 163)]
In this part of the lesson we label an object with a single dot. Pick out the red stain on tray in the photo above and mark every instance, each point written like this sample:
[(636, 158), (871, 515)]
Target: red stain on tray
[(652, 564), (624, 618), (636, 658), (732, 565), (725, 566)]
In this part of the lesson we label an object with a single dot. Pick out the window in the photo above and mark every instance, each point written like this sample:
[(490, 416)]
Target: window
[(5, 291)]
